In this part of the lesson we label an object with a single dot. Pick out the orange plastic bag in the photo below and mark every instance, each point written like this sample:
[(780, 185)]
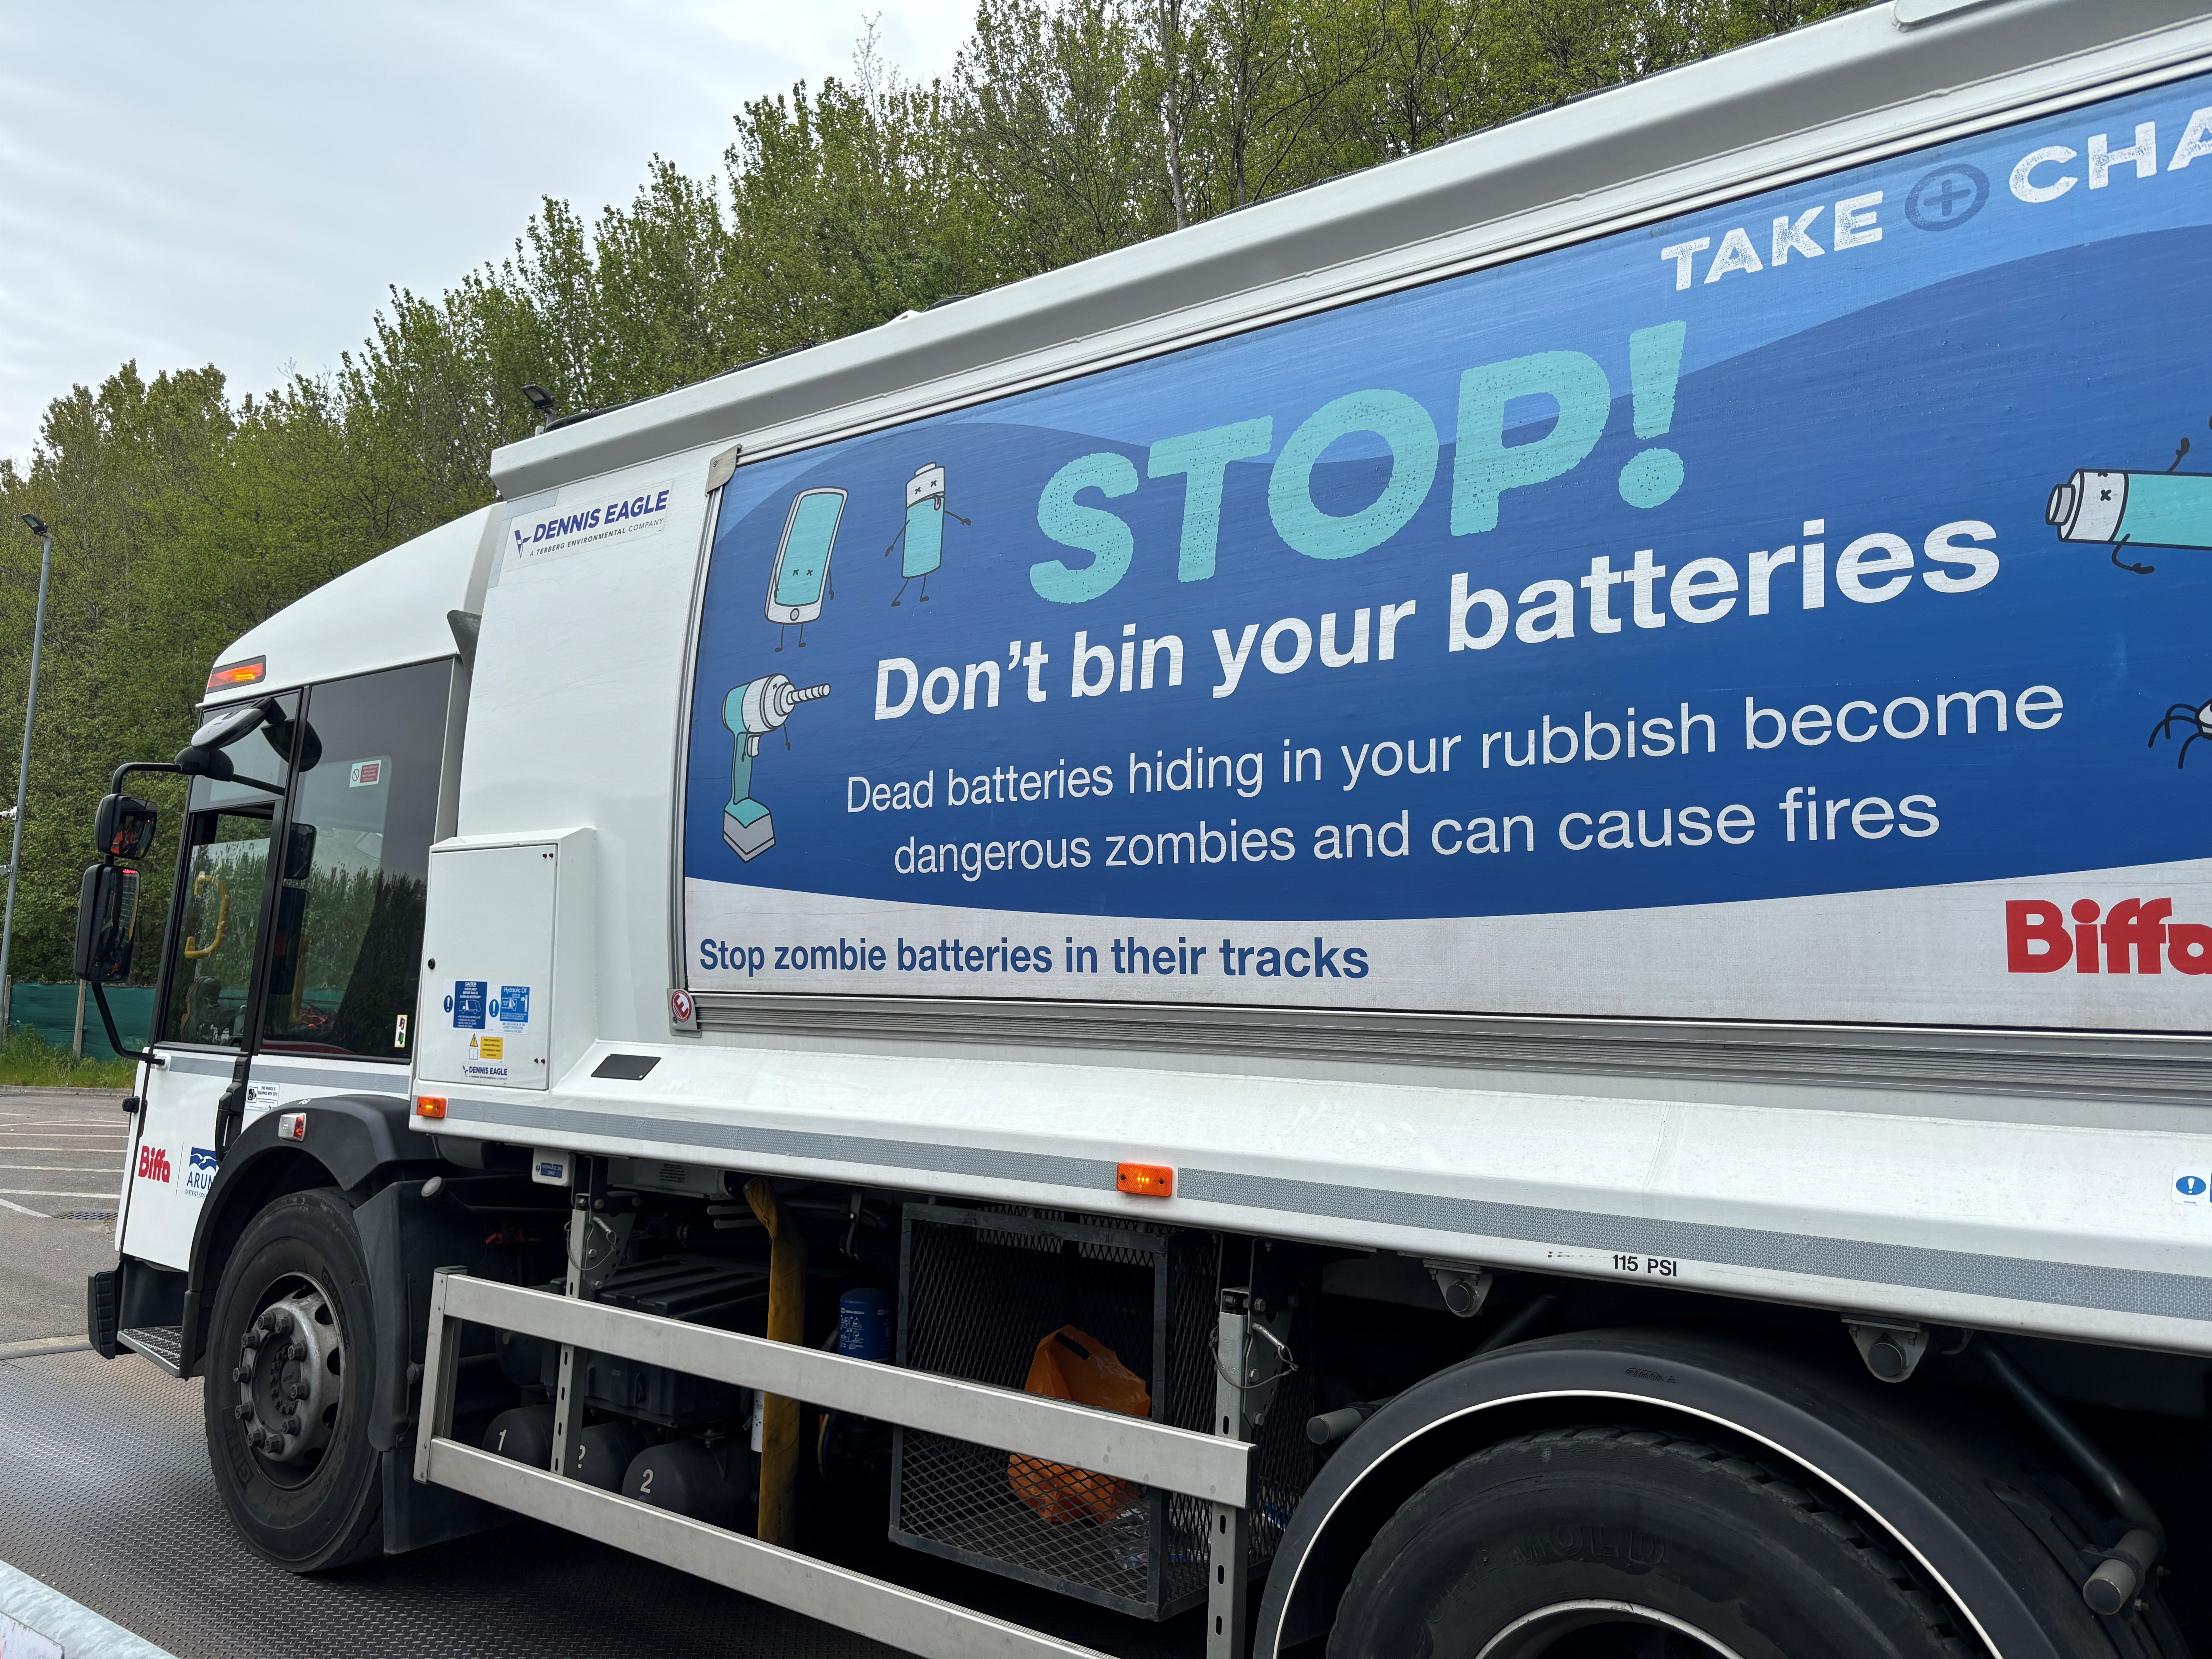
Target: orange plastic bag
[(1072, 1364)]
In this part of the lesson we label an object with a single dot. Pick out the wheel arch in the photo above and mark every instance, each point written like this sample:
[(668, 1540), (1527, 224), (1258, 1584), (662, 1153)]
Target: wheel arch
[(346, 1141), (1870, 1448)]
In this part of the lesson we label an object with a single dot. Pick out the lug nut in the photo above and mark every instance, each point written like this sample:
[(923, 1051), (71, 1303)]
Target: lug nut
[(240, 1373), (241, 1413), (299, 1351)]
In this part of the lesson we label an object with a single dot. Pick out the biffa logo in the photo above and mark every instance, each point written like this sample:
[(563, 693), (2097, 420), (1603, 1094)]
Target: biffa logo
[(153, 1165), (2135, 936)]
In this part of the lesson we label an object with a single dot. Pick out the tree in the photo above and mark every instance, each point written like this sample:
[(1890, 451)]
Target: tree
[(1070, 128)]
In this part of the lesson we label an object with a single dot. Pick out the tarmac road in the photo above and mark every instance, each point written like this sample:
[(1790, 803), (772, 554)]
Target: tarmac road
[(61, 1163), (104, 1493)]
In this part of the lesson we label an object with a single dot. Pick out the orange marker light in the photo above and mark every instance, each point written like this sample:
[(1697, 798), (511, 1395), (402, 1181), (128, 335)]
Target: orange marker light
[(251, 671), (429, 1105), (1146, 1180)]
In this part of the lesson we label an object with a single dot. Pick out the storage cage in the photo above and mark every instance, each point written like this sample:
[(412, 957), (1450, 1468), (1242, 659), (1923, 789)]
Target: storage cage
[(979, 1290)]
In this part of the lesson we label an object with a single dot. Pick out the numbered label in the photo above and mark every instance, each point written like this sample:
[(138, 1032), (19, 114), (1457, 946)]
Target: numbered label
[(1648, 1266)]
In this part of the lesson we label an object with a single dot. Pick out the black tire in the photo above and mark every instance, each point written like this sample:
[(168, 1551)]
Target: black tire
[(1705, 1541), (326, 1509)]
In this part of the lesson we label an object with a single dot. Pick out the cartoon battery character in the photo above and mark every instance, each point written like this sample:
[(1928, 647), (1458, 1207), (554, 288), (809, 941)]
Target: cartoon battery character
[(752, 711), (923, 532), (2134, 509), (801, 579)]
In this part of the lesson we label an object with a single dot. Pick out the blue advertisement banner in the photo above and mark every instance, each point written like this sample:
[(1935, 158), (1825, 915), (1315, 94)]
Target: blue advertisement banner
[(1853, 539)]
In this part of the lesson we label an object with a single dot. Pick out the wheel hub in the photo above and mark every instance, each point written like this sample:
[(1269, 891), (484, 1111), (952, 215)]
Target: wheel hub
[(290, 1376)]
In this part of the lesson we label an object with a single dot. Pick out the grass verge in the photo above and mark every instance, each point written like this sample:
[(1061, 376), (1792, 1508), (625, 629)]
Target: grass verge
[(27, 1061)]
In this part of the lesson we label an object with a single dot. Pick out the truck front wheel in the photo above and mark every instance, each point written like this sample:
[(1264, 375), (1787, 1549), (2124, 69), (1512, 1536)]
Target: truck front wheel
[(1605, 1542), (287, 1381)]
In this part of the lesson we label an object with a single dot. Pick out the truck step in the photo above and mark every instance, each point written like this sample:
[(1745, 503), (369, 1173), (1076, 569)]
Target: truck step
[(163, 1344)]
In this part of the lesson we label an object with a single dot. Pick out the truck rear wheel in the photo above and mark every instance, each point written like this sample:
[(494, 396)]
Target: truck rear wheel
[(287, 1395), (1624, 1543)]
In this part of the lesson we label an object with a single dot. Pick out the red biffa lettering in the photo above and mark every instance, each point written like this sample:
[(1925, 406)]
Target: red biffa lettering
[(2135, 936)]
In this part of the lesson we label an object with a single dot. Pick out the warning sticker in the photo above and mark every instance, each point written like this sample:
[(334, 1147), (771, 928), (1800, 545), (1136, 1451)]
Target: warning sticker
[(466, 1004)]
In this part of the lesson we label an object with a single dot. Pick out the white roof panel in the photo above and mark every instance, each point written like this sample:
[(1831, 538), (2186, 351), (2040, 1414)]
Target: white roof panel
[(391, 609)]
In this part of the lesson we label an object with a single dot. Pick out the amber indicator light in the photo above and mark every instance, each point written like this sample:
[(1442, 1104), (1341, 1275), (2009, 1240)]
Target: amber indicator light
[(429, 1105), (1146, 1180), (251, 671), (240, 673)]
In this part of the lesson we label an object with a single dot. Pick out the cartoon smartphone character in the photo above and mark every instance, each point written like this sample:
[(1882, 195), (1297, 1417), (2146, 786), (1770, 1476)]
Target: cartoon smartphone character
[(923, 531), (800, 581)]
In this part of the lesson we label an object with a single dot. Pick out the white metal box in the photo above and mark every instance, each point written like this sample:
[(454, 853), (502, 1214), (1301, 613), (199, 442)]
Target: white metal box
[(505, 918)]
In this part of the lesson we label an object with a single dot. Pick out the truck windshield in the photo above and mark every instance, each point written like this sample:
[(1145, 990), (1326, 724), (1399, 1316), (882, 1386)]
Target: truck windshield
[(344, 951)]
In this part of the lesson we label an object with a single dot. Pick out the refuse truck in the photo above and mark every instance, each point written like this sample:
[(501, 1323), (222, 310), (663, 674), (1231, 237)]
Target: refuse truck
[(1464, 915)]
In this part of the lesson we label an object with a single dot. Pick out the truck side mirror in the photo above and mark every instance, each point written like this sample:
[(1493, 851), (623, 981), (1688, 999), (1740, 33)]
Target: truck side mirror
[(107, 923), (279, 733), (195, 761), (123, 827), (204, 757)]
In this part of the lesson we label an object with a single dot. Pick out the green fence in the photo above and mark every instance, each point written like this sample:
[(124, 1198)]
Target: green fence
[(51, 1011)]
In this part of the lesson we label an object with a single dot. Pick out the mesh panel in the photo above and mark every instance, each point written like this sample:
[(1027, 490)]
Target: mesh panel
[(981, 1289)]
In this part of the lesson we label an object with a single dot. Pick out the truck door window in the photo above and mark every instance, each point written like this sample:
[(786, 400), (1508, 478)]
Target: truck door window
[(212, 942), (346, 941), (211, 973)]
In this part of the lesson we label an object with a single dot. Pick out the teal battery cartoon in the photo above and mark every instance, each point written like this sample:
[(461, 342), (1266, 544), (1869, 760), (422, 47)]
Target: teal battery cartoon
[(752, 711), (799, 580), (2134, 509), (923, 532)]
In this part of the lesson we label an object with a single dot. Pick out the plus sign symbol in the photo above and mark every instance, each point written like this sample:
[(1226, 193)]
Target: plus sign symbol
[(1948, 198)]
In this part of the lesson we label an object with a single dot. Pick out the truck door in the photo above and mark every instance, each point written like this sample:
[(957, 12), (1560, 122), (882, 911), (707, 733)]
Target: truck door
[(203, 1026), (346, 926), (293, 959)]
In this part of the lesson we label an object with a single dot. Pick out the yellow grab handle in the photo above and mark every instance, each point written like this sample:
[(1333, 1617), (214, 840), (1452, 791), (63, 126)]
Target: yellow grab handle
[(193, 948)]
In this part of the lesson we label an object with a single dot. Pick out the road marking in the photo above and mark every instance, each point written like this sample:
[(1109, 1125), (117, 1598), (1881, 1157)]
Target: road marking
[(49, 1168), (47, 1192), (24, 1209)]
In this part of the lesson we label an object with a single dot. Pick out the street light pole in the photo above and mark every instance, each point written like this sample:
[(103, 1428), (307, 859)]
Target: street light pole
[(38, 527)]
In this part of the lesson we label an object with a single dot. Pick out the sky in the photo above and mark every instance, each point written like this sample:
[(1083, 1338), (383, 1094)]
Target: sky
[(242, 184)]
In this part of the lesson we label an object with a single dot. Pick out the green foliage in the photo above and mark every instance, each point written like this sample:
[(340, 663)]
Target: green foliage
[(27, 1061), (1069, 128)]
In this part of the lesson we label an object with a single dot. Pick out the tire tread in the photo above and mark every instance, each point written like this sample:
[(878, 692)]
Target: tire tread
[(1945, 1632)]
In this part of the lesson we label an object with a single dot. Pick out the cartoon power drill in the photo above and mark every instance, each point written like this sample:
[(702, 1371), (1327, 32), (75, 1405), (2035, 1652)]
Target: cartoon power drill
[(752, 711)]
